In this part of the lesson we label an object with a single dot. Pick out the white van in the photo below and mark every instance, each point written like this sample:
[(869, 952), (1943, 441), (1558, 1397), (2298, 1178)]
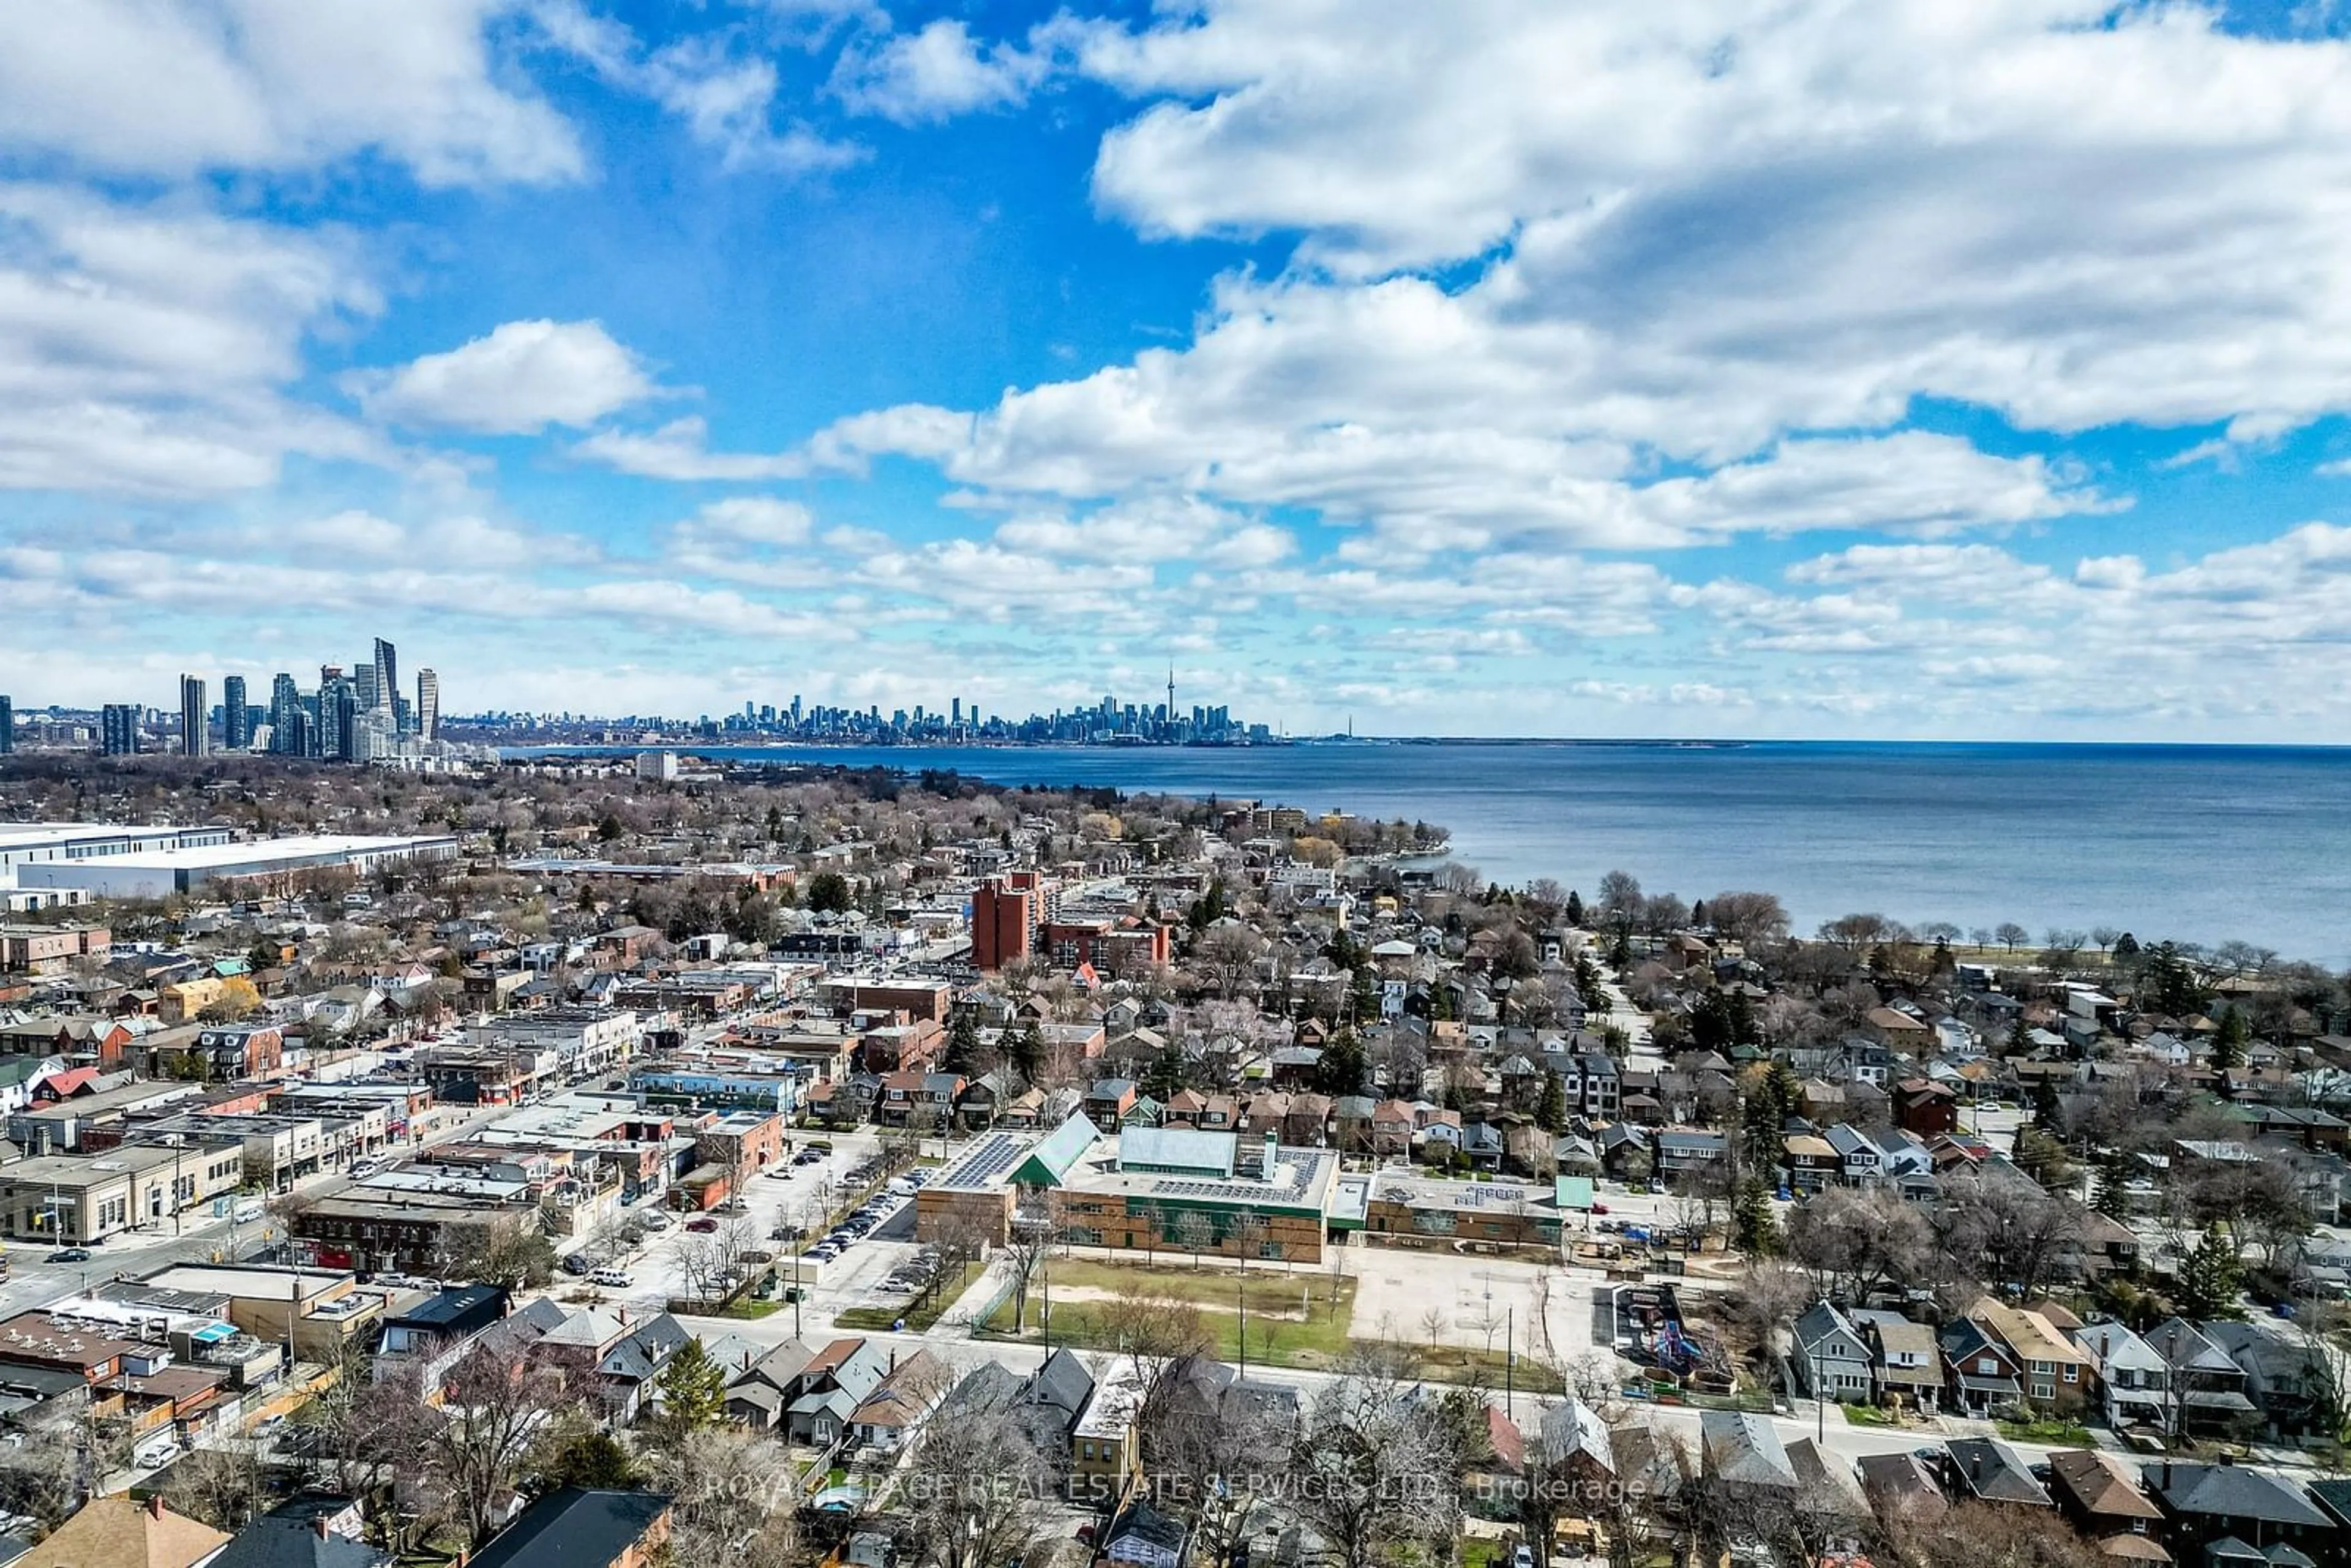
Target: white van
[(364, 1168), (611, 1278), (247, 1210)]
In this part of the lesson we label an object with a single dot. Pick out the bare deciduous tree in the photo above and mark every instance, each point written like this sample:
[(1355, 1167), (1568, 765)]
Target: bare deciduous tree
[(976, 1490)]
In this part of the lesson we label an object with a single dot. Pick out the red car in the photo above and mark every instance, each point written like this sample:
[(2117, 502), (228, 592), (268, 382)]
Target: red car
[(704, 1224), (1599, 1208)]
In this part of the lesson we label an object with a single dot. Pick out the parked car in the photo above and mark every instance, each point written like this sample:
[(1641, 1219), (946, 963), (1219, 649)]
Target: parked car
[(70, 1255), (702, 1225), (611, 1279), (576, 1264), (653, 1219)]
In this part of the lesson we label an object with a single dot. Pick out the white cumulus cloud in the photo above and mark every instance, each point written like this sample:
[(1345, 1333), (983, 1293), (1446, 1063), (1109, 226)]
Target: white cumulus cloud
[(519, 379)]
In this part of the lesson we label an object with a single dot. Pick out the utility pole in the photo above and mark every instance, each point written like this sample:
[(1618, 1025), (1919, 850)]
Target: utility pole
[(1510, 1356), (1242, 1337)]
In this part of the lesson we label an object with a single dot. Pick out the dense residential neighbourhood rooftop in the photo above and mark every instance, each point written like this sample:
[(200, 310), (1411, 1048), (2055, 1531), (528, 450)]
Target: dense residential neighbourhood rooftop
[(324, 1160)]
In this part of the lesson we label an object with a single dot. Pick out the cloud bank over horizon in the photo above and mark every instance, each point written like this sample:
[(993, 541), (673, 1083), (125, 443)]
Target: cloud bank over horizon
[(1509, 367)]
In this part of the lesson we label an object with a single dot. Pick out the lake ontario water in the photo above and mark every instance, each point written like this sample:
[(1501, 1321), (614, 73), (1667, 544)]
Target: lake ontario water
[(2198, 844)]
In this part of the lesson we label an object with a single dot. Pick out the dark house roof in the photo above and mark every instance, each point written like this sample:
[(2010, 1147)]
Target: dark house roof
[(1062, 1384), (1992, 1470), (575, 1528), (2231, 1492), (457, 1311), (290, 1540)]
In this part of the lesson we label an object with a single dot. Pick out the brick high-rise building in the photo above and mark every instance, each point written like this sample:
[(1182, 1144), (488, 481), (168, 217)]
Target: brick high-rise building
[(1003, 922)]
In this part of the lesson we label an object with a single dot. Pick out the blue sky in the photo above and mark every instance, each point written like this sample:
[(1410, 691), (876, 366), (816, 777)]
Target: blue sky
[(1494, 368)]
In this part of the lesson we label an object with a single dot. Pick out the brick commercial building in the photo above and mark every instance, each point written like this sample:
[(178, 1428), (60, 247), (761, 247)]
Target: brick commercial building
[(1124, 945), (1161, 1191), (47, 949)]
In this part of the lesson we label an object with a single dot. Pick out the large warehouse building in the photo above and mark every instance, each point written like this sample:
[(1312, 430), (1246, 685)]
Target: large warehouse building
[(147, 873)]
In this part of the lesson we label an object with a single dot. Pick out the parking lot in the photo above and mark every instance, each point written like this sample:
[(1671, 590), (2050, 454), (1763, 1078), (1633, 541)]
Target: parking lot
[(793, 1196)]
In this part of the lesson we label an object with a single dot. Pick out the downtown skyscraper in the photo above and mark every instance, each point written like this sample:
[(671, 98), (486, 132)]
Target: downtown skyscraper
[(237, 722), (195, 717), (428, 705)]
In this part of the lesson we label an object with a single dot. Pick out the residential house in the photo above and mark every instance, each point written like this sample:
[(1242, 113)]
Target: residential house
[(308, 1532), (1906, 1366), (886, 1419), (1580, 1452), (1986, 1375), (1742, 1452), (1393, 1125), (1924, 1108), (2105, 1502), (1050, 1402), (2285, 1376), (830, 1386), (1990, 1471), (2054, 1367), (1685, 1152), (1857, 1156), (1108, 1103), (1902, 1486), (1142, 1535), (2206, 1506), (2208, 1385), (2132, 1382), (1106, 1444), (759, 1393), (1811, 1161), (577, 1527), (1829, 1358), (118, 1532)]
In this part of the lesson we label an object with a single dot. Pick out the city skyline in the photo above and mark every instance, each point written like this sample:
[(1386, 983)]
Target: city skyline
[(1783, 378)]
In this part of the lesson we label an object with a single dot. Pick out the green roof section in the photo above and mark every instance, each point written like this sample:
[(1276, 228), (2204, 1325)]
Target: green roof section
[(1572, 1192), (1058, 1153)]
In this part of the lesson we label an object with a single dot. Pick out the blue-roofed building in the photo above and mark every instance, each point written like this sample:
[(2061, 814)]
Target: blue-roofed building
[(1177, 1151)]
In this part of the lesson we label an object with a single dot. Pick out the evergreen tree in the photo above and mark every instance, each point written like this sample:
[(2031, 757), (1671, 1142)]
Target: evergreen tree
[(1027, 1049), (2047, 1110), (963, 1041), (1697, 914), (1770, 1099), (593, 1459), (1342, 1066), (1754, 1227), (2108, 1198), (1550, 1110), (2229, 1045), (1574, 908), (1743, 1028), (1710, 1024), (828, 893), (2169, 982), (1164, 1079), (2212, 1280), (693, 1389)]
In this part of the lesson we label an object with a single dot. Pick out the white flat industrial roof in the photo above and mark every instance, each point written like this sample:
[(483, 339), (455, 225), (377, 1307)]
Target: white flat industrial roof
[(69, 832), (204, 855)]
